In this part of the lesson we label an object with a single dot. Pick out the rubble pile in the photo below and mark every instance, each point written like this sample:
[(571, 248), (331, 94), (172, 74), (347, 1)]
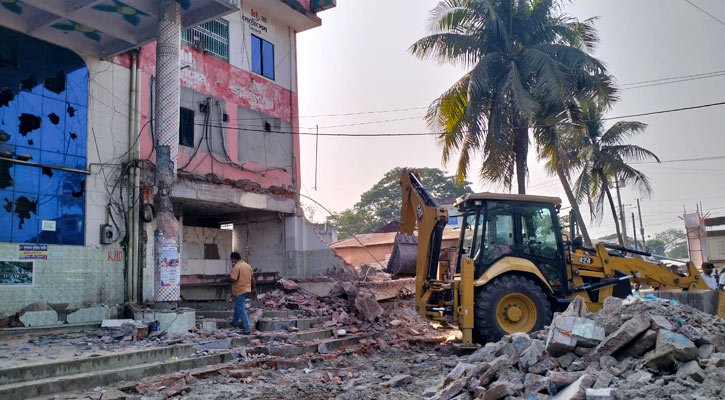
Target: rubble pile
[(632, 349), (356, 309)]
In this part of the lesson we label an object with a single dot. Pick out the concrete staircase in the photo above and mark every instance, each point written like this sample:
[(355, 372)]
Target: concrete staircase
[(28, 381)]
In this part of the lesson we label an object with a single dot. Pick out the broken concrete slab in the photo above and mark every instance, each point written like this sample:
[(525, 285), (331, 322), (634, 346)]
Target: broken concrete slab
[(115, 323), (670, 348), (705, 351), (367, 306), (644, 343), (576, 390), (40, 318), (568, 332), (691, 369), (500, 389), (660, 322), (532, 355), (399, 380), (621, 337), (89, 314), (451, 390), (171, 322), (601, 394), (288, 285)]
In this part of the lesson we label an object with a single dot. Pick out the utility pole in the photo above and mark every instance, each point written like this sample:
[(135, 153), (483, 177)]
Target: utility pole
[(622, 218), (317, 141), (167, 267), (634, 229), (641, 226)]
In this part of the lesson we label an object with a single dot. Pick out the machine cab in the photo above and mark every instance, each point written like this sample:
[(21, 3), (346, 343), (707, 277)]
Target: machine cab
[(497, 226)]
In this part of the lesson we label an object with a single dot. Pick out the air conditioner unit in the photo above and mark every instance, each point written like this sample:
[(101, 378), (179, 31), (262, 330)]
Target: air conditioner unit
[(198, 41)]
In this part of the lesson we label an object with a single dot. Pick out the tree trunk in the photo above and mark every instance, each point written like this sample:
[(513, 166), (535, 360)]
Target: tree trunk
[(574, 205), (521, 149), (605, 185)]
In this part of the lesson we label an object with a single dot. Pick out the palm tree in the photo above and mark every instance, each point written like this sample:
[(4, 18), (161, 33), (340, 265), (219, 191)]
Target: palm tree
[(552, 138), (523, 55), (557, 139), (603, 155)]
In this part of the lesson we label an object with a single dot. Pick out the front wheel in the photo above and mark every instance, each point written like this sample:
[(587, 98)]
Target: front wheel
[(510, 304)]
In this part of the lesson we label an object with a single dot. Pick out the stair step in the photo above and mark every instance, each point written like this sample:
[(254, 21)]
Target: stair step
[(55, 384), (267, 324), (121, 359), (44, 387)]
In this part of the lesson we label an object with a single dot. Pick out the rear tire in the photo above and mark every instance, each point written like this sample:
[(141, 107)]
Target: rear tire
[(509, 304)]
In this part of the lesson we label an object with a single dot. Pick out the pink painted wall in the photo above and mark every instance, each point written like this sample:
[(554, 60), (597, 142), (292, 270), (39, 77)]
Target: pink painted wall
[(212, 76)]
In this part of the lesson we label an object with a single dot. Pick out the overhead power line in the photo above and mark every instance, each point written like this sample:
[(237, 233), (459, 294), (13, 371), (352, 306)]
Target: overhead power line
[(391, 134), (704, 74), (668, 82), (706, 13), (673, 79)]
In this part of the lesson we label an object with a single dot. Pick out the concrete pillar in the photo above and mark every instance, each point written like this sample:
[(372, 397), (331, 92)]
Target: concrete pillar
[(167, 263)]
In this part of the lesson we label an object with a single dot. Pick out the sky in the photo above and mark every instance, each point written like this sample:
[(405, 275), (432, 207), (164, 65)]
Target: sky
[(358, 63)]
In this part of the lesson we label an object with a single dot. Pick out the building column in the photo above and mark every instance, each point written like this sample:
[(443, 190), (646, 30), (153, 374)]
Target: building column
[(167, 267)]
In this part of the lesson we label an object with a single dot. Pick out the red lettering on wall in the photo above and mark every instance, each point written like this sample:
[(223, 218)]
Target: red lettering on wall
[(115, 256)]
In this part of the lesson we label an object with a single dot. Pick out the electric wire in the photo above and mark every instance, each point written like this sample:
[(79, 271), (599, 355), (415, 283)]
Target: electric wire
[(705, 12)]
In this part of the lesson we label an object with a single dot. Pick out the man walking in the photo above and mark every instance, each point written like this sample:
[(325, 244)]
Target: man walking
[(242, 287)]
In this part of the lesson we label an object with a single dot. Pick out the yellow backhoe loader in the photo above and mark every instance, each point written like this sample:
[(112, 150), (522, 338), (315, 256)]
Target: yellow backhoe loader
[(514, 267)]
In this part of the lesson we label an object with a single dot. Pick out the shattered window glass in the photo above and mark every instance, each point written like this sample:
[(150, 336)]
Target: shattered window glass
[(43, 120)]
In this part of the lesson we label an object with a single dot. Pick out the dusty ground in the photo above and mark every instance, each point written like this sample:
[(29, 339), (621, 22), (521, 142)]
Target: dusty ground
[(352, 374)]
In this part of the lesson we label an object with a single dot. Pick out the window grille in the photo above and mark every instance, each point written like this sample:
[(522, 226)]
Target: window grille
[(211, 36)]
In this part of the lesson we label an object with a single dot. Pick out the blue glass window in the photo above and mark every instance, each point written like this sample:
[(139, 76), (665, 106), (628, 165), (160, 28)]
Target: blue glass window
[(43, 120), (262, 57)]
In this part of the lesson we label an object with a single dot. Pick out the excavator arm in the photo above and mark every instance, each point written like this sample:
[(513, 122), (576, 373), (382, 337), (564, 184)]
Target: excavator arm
[(419, 209), (609, 268)]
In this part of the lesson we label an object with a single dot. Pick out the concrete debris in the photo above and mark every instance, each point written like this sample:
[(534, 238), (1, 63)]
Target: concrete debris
[(351, 346), (288, 285), (566, 366), (367, 306), (399, 380), (601, 394)]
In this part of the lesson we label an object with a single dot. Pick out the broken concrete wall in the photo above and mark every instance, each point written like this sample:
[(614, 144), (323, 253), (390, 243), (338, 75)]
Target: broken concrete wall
[(307, 254), (264, 239), (205, 251)]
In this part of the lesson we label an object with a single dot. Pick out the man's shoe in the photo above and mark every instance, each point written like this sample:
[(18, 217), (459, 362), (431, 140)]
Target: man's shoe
[(246, 332)]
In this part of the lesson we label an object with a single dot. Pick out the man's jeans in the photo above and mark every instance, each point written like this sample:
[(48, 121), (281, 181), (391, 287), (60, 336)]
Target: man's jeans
[(241, 311)]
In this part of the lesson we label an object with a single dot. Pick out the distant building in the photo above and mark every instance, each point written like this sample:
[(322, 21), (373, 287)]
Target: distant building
[(715, 234)]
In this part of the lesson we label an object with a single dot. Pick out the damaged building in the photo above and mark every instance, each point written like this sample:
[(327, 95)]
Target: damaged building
[(77, 155)]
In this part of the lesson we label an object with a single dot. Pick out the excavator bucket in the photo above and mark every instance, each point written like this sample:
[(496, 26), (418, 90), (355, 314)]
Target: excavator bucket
[(404, 256)]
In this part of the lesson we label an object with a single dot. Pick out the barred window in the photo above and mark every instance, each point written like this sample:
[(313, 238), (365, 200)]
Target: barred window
[(211, 36)]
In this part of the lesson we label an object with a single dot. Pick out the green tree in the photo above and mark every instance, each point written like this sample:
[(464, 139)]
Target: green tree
[(523, 55), (671, 243), (381, 203), (603, 156)]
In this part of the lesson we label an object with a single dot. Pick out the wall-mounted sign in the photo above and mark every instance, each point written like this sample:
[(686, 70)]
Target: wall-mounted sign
[(33, 252), (257, 23), (16, 273), (48, 225)]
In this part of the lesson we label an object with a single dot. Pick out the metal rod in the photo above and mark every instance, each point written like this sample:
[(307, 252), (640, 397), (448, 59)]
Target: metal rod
[(34, 164)]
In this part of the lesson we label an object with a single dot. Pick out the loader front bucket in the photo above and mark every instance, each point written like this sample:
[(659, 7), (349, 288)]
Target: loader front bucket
[(404, 256)]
